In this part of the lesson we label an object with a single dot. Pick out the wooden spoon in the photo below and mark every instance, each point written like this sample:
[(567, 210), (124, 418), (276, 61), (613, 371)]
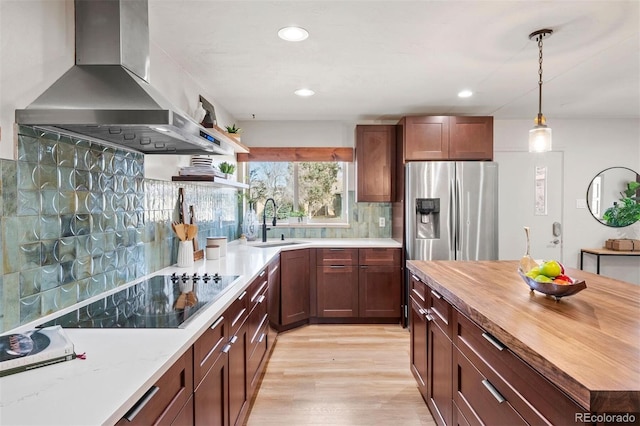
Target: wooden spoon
[(192, 231), (178, 228)]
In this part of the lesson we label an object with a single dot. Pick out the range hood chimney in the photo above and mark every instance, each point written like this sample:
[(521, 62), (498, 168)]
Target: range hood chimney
[(106, 95)]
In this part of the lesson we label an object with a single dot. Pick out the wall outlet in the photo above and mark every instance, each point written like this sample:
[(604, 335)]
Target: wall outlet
[(381, 222)]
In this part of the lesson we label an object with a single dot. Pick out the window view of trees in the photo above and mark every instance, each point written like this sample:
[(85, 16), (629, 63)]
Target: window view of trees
[(313, 190)]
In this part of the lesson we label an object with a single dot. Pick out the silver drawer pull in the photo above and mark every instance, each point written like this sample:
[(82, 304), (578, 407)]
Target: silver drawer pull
[(415, 278), (142, 403), (217, 323), (233, 339), (226, 348), (497, 395), (422, 311), (336, 266), (428, 316), (261, 298), (336, 249), (262, 336), (436, 294), (495, 342), (262, 273), (244, 293)]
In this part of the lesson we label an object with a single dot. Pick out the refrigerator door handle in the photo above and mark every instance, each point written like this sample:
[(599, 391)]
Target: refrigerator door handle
[(458, 219), (453, 229)]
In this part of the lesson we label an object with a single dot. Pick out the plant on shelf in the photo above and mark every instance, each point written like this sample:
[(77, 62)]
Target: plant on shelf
[(227, 168), (627, 211), (233, 129)]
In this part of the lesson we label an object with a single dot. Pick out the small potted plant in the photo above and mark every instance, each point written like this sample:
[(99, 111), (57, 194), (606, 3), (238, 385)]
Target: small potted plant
[(227, 169), (299, 215), (233, 130)]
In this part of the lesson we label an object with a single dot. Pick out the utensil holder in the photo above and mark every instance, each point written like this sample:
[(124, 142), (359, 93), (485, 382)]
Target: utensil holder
[(185, 254)]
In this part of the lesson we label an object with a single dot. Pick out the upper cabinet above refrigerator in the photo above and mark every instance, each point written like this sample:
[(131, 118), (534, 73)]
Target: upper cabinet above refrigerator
[(446, 138)]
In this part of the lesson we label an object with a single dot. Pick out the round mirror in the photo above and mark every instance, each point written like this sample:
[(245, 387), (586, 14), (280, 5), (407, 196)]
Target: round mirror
[(613, 197)]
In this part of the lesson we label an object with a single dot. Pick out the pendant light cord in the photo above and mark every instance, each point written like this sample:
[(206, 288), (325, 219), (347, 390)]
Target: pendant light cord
[(540, 36)]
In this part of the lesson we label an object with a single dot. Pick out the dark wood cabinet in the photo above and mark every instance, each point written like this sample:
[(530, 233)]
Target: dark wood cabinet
[(211, 375), (273, 294), (470, 138), (447, 138), (294, 286), (379, 291), (337, 291), (418, 347), (164, 402), (375, 162), (439, 371), (238, 391), (358, 283)]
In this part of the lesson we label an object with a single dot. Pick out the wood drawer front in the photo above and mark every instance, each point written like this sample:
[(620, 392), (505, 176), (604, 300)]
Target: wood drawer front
[(533, 396), (476, 397), (440, 311), (238, 311), (259, 350), (418, 290), (258, 290), (379, 256), (336, 256), (166, 398), (257, 319), (208, 348)]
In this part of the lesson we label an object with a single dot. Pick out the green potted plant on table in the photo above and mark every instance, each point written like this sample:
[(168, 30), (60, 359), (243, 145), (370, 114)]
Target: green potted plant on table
[(299, 216)]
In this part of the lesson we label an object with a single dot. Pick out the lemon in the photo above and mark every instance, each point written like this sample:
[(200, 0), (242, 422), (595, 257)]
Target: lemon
[(533, 272)]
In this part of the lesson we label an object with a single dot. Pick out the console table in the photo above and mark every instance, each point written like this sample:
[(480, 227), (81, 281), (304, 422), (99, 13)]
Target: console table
[(598, 252)]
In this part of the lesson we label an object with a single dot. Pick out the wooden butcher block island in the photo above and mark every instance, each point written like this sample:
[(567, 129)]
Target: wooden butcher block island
[(484, 349)]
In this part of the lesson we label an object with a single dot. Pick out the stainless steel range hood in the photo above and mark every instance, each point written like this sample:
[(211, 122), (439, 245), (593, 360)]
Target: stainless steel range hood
[(106, 95)]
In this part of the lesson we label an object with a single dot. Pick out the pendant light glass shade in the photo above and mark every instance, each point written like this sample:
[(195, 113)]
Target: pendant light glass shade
[(540, 139)]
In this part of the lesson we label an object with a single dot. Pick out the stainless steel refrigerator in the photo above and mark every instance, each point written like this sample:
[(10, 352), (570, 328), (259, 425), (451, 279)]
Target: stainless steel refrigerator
[(451, 210)]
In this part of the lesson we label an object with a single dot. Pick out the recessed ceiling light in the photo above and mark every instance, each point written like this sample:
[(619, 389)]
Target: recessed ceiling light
[(293, 33), (465, 94), (304, 92)]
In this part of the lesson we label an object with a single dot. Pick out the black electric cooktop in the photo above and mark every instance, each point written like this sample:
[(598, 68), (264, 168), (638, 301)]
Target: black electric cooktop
[(163, 301)]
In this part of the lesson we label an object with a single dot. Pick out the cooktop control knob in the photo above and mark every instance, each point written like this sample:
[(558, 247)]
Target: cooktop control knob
[(206, 277)]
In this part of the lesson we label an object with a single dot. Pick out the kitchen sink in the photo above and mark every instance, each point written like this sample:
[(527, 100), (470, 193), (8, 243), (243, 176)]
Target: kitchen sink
[(270, 244)]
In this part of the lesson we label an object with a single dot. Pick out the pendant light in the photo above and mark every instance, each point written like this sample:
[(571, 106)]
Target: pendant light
[(540, 134)]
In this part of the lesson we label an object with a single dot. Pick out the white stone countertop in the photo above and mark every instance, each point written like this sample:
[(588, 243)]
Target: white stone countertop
[(121, 364)]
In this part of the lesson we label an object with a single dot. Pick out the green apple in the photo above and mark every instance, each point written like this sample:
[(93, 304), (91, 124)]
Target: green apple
[(551, 269), (543, 279)]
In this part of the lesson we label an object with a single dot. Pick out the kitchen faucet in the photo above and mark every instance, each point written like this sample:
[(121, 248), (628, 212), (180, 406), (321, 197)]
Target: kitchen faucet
[(264, 218)]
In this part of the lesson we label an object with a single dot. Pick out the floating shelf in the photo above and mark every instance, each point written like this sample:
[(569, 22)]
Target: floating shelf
[(219, 133), (215, 180)]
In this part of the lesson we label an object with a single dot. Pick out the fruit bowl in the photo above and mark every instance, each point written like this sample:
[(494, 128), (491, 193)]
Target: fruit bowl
[(557, 291)]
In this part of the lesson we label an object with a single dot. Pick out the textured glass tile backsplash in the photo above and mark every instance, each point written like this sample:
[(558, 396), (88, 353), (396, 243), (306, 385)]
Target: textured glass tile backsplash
[(78, 219)]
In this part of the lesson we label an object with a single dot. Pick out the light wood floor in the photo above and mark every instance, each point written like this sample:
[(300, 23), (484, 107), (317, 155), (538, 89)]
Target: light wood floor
[(340, 375)]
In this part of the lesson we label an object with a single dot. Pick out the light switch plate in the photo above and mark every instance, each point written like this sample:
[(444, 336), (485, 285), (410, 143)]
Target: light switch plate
[(381, 222), (581, 203)]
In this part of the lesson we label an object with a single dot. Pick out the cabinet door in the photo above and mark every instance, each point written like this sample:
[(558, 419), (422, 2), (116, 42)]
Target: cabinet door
[(238, 392), (375, 162), (426, 138), (418, 347), (439, 367), (337, 291), (380, 291), (211, 398), (294, 286), (471, 138)]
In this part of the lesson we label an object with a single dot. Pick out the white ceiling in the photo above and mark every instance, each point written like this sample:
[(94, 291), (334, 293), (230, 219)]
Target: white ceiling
[(374, 60)]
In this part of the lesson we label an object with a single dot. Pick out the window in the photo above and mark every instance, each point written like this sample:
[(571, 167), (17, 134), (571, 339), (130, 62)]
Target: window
[(304, 192)]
